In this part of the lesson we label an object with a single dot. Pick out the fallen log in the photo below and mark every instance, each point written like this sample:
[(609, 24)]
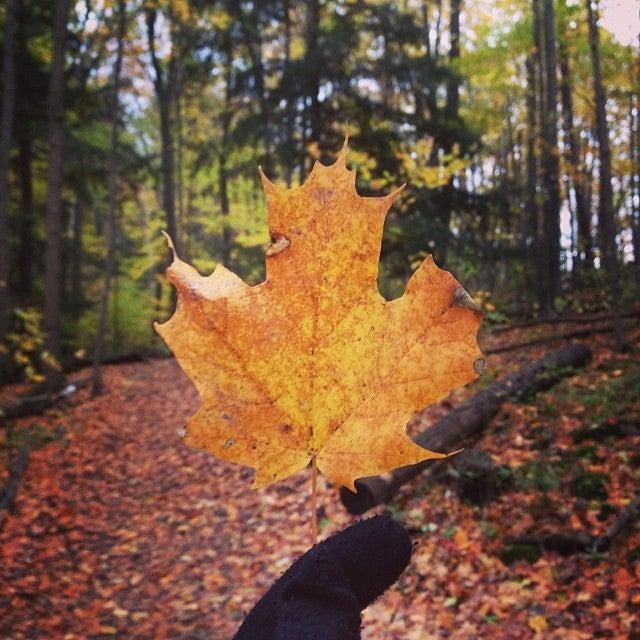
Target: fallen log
[(567, 335), (141, 355), (467, 421), (568, 543), (28, 405), (581, 319), (32, 405)]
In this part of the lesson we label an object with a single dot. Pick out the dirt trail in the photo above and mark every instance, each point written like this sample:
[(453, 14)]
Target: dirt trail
[(122, 531)]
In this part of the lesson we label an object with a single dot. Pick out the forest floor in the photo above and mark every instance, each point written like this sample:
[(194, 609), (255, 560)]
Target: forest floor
[(121, 531)]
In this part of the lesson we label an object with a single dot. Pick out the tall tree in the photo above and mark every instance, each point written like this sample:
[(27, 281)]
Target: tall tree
[(165, 84), (25, 240), (584, 257), (113, 197), (634, 153), (550, 164), (53, 266), (606, 218), (451, 113), (538, 84), (225, 122), (531, 224), (313, 55), (6, 127)]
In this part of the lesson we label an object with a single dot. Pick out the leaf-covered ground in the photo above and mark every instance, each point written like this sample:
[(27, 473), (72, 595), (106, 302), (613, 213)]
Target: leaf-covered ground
[(121, 531)]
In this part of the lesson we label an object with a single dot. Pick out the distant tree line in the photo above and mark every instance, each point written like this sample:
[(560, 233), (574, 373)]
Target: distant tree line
[(516, 134)]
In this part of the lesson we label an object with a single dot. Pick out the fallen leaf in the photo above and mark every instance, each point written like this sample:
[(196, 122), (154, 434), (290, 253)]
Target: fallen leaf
[(314, 362), (623, 581), (538, 624)]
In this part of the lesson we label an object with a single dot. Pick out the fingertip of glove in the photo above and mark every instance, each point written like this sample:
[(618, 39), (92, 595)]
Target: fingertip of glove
[(373, 553)]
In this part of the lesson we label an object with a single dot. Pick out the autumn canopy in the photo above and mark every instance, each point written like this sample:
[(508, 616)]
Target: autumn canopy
[(314, 362)]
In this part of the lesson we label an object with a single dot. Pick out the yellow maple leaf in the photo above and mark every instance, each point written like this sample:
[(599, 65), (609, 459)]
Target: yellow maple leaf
[(313, 363)]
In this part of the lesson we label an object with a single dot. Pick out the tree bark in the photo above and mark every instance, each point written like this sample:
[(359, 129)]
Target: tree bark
[(290, 117), (467, 421), (583, 213), (451, 112), (438, 40), (225, 118), (453, 84), (75, 293), (313, 61), (252, 32), (25, 244), (165, 85), (6, 127), (550, 164), (426, 26), (606, 219), (531, 224), (634, 152), (537, 58), (96, 383), (53, 253)]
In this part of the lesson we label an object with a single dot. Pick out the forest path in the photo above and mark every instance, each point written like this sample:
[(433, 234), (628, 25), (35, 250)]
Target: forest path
[(121, 530)]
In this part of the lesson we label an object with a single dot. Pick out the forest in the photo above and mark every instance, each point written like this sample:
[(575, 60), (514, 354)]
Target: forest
[(514, 126)]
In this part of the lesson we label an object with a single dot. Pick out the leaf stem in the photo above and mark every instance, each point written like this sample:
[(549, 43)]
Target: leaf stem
[(314, 501)]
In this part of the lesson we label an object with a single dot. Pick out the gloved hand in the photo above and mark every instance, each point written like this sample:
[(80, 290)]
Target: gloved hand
[(321, 595)]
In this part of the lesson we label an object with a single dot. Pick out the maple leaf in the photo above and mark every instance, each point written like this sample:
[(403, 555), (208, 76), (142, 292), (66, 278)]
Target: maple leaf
[(314, 362)]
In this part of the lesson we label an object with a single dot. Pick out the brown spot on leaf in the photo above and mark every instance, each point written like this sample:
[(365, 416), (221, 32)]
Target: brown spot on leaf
[(478, 366), (278, 244), (462, 299)]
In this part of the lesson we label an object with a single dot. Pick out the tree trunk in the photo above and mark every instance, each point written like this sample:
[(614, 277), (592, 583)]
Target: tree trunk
[(96, 382), (168, 167), (634, 152), (6, 127), (225, 119), (180, 216), (76, 297), (583, 213), (467, 421), (289, 157), (453, 83), (165, 86), (550, 164), (426, 26), (252, 34), (313, 61), (531, 224), (53, 253), (438, 40), (538, 83), (25, 244), (606, 220), (451, 114)]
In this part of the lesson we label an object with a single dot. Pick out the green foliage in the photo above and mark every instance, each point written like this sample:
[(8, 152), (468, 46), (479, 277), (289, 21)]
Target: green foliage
[(590, 485), (130, 310), (25, 345), (514, 552), (538, 475), (31, 437)]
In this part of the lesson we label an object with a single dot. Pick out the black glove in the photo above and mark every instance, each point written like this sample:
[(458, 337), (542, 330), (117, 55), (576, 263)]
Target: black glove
[(321, 595)]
